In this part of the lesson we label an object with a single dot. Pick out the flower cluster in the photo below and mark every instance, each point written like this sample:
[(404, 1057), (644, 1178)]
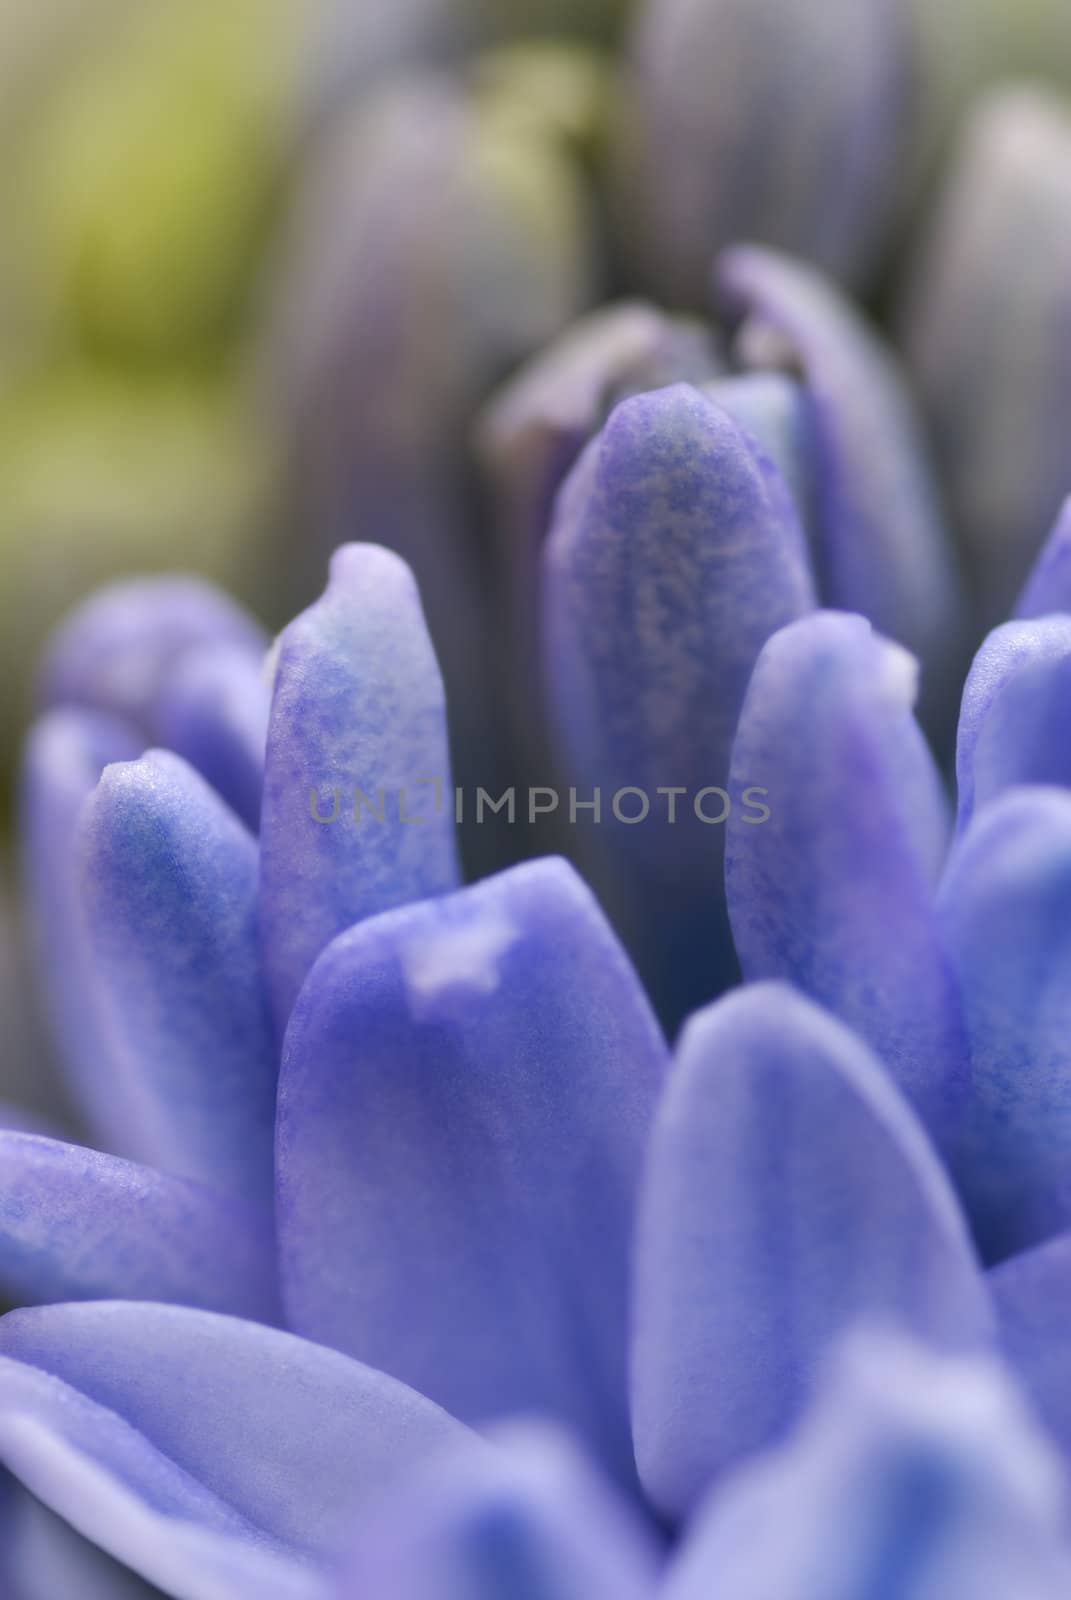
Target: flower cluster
[(685, 1211)]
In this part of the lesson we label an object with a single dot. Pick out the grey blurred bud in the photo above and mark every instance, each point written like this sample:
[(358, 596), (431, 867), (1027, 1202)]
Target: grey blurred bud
[(987, 322), (766, 121), (436, 244)]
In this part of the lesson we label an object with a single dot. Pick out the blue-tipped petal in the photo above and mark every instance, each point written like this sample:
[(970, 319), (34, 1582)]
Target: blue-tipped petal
[(65, 753), (289, 1436), (914, 1477), (534, 1523), (466, 1089), (1032, 1296), (789, 1192), (117, 651), (834, 891), (1048, 588), (986, 333), (358, 726), (78, 1225), (213, 711), (110, 1484), (674, 554), (168, 887), (1015, 720), (881, 545), (704, 162), (1005, 916)]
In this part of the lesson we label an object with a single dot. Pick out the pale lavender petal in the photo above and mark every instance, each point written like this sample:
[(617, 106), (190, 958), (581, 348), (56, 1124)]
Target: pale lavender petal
[(834, 891), (168, 887), (358, 810), (1032, 1296), (914, 1477), (789, 1192), (466, 1090), (111, 1485), (287, 1435), (535, 1522), (78, 1225)]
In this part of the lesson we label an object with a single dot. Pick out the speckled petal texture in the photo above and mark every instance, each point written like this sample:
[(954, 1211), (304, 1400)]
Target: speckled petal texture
[(358, 711), (675, 552)]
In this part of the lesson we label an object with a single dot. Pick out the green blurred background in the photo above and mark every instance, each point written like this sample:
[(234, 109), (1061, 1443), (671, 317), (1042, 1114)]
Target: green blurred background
[(150, 156)]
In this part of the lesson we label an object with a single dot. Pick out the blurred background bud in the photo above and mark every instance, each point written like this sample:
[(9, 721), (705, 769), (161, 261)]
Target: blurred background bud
[(443, 233), (762, 120), (987, 320)]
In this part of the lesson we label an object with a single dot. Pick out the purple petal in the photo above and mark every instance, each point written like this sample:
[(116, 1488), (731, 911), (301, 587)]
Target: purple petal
[(118, 650), (112, 1486), (674, 554), (287, 1435), (77, 1225), (534, 429), (358, 723), (704, 163), (214, 713), (834, 891), (987, 333), (65, 753), (775, 412), (466, 1089), (1032, 1296), (1005, 913), (1048, 588), (789, 1192), (529, 438), (914, 1477), (1015, 721), (881, 546), (535, 1521), (169, 892)]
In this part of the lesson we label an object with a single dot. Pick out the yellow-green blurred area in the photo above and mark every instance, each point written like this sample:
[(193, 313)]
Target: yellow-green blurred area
[(143, 150), (149, 151)]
